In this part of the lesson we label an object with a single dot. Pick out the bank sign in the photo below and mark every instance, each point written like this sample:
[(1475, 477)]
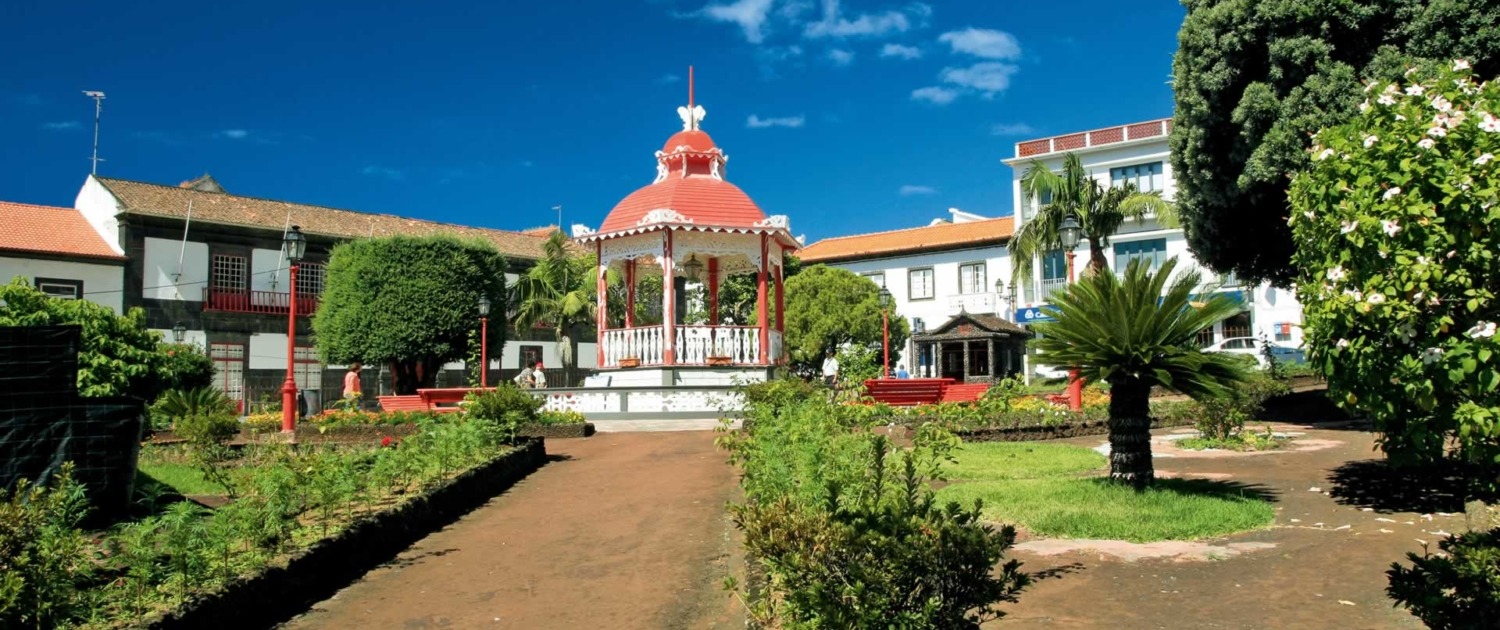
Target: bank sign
[(1032, 315)]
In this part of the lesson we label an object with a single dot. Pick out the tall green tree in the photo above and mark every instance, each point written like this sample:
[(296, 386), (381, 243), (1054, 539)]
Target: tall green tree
[(1254, 79), (1136, 333), (826, 308), (1100, 210), (558, 292), (409, 302)]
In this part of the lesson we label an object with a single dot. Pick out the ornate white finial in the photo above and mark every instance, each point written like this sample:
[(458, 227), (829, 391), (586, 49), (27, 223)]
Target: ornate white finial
[(691, 117)]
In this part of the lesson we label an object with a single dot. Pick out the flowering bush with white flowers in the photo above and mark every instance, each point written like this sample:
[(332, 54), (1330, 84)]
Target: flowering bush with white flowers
[(1397, 227)]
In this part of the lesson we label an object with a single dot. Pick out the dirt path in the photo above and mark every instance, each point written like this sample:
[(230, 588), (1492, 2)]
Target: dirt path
[(1340, 523), (620, 530)]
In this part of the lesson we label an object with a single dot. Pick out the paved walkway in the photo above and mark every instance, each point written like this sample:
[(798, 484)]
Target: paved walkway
[(620, 530)]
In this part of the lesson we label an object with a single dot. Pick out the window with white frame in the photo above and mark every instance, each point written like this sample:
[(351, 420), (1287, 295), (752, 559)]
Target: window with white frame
[(1146, 177), (1029, 206), (307, 369), (229, 369), (310, 278), (971, 278), (1153, 251), (1054, 274), (60, 289), (1284, 332), (878, 277), (229, 272), (919, 284)]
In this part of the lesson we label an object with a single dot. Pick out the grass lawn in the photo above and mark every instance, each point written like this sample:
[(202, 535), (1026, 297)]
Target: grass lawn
[(184, 478), (1042, 487)]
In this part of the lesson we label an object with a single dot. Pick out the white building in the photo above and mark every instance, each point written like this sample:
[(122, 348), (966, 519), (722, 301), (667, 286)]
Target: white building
[(936, 271), (58, 252)]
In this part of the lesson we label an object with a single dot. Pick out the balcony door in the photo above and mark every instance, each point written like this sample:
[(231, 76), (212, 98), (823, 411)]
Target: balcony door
[(228, 282)]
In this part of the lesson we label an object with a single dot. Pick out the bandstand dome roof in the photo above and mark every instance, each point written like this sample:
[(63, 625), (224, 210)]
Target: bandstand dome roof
[(690, 182)]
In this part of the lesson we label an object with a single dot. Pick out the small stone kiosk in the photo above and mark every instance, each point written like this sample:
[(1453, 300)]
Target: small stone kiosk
[(689, 225), (973, 348)]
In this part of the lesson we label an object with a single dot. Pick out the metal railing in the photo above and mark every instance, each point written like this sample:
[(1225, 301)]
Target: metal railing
[(265, 302)]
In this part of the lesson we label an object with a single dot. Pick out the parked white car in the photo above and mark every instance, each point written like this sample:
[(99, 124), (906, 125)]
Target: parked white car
[(1251, 346), (1049, 372)]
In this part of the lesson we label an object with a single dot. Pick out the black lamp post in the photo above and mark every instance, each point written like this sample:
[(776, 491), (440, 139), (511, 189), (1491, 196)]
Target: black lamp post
[(179, 332), (885, 327), (294, 245), (1069, 233), (484, 341), (919, 326)]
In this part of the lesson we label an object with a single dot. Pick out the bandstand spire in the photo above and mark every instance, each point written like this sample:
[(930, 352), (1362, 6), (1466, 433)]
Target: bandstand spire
[(693, 114)]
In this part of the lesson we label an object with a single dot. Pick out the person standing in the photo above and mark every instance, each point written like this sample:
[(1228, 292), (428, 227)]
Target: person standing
[(831, 370), (352, 390), (901, 371), (539, 376), (524, 380)]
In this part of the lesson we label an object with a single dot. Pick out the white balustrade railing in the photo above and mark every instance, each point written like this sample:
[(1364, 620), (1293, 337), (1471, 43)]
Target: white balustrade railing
[(644, 344)]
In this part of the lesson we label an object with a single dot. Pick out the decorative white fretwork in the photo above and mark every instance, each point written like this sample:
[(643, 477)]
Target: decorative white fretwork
[(663, 215), (738, 252), (626, 247), (661, 169), (583, 402), (691, 118), (713, 170), (775, 221)]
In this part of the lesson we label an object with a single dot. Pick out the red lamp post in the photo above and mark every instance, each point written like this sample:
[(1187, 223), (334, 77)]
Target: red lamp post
[(294, 245), (885, 329), (1069, 234), (484, 341)]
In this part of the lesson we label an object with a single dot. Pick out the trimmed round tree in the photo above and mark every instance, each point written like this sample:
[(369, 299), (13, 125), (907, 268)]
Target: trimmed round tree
[(1253, 79), (409, 302), (1397, 227), (826, 308), (1136, 333)]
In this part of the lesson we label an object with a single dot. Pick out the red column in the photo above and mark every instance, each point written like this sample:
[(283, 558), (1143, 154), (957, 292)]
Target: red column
[(781, 296), (602, 316), (668, 302), (289, 388), (484, 352), (713, 291), (630, 293), (1075, 386), (760, 304)]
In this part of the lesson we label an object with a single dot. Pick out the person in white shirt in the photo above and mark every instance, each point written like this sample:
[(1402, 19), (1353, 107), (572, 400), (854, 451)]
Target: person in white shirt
[(539, 377), (831, 370)]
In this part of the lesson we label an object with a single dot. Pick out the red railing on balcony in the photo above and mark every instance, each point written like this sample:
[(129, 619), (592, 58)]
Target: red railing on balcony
[(269, 302)]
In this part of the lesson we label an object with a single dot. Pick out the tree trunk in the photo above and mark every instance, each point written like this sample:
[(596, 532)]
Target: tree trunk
[(1130, 433), (1097, 261), (567, 351), (409, 376)]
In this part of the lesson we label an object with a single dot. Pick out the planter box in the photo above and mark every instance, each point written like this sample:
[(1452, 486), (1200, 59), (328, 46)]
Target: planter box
[(288, 587), (630, 362), (720, 361), (558, 431)]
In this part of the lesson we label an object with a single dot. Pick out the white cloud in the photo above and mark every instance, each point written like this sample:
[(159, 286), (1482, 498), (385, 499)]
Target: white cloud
[(980, 42), (756, 122), (840, 57), (987, 77), (936, 95), (865, 24), (910, 190), (233, 134), (900, 52), (749, 15), (668, 78), (66, 125), (383, 171), (1011, 129), (162, 137)]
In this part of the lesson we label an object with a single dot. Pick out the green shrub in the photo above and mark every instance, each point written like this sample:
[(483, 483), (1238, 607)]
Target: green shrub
[(45, 561), (117, 356), (776, 394), (560, 417), (1459, 587), (185, 366), (505, 402), (203, 429), (178, 403)]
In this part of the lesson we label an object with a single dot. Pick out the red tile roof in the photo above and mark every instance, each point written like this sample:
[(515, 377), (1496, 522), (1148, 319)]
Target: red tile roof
[(911, 240), (32, 229), (705, 199), (217, 207)]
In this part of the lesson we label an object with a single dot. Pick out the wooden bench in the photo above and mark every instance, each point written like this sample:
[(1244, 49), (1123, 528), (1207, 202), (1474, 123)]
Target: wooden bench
[(964, 392), (907, 392), (402, 403), (444, 400)]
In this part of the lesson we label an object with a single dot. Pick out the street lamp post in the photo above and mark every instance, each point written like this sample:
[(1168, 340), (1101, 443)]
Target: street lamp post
[(1069, 233), (918, 326), (484, 341), (885, 329), (294, 245)]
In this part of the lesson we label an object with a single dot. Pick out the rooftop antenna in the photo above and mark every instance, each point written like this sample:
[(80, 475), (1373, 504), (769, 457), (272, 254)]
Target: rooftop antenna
[(98, 109), (690, 96), (559, 216)]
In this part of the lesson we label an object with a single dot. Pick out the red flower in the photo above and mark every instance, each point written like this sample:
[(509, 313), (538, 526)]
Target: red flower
[(386, 442)]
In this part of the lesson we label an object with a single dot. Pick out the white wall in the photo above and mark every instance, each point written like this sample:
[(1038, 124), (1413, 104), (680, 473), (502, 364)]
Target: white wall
[(102, 284), (160, 267), (588, 354), (100, 208), (266, 273)]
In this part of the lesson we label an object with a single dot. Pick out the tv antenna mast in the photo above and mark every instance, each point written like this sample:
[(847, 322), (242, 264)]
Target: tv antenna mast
[(98, 109)]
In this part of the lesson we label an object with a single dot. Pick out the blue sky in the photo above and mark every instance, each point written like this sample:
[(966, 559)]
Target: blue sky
[(848, 116)]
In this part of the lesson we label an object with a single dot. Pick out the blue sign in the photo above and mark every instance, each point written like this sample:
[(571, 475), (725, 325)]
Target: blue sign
[(1032, 315)]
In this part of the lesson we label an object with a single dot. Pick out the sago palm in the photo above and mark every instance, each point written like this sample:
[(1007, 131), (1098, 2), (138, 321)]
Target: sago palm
[(1135, 333), (1100, 210), (557, 292)]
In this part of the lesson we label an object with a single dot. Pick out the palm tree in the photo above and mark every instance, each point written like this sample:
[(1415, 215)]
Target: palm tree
[(1130, 334), (558, 292), (1100, 211)]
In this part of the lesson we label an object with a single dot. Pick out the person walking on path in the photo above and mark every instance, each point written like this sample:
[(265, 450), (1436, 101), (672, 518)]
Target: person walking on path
[(352, 390), (831, 370)]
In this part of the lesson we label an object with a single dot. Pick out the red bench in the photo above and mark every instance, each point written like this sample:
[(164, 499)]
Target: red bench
[(907, 392), (445, 399), (964, 393), (402, 403)]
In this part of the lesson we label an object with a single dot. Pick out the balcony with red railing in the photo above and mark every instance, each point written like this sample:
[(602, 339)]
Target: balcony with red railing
[(264, 302)]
